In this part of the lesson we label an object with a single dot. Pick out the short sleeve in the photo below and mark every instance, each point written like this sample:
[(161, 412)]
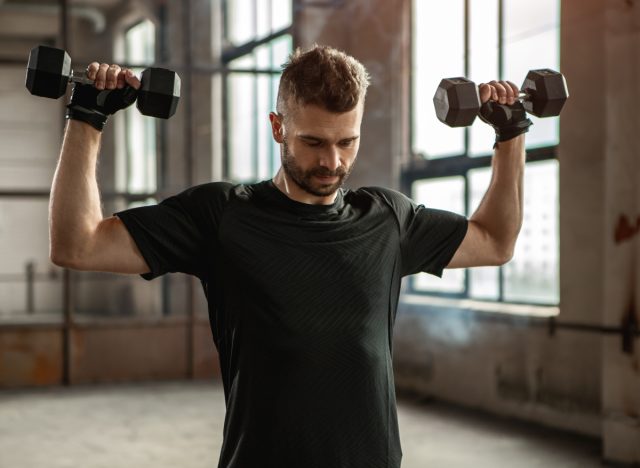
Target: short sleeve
[(177, 234), (428, 237)]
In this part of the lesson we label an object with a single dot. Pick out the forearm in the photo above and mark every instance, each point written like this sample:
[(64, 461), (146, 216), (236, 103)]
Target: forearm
[(74, 208), (500, 212)]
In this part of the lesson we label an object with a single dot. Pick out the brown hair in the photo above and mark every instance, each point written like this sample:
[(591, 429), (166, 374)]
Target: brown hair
[(322, 76)]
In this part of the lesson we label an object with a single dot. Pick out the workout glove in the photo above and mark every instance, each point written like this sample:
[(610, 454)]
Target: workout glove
[(507, 121), (94, 106)]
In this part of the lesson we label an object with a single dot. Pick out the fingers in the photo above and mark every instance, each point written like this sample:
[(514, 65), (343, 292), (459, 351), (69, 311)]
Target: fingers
[(92, 70), (503, 92), (131, 79), (112, 76), (486, 92)]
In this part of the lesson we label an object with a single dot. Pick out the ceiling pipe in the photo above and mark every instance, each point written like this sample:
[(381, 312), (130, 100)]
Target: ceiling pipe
[(95, 16)]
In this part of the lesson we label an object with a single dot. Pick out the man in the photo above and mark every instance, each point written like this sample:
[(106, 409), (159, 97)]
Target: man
[(302, 276)]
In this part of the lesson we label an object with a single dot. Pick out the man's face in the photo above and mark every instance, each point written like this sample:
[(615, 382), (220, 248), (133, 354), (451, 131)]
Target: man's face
[(319, 147)]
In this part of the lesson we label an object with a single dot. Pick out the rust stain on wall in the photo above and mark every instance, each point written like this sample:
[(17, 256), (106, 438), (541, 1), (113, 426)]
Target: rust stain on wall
[(30, 357), (625, 229)]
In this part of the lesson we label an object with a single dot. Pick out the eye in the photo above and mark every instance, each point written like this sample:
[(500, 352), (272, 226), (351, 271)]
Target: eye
[(313, 144), (347, 143)]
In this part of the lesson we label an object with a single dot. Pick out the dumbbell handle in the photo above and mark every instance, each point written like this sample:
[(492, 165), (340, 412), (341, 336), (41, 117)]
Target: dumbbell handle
[(80, 79), (522, 96)]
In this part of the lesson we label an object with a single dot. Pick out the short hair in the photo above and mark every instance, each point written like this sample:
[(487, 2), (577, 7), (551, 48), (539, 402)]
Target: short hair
[(322, 76)]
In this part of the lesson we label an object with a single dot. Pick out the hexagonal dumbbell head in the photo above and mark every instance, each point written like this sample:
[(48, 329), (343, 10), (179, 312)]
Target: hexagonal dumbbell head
[(547, 90), (457, 102), (48, 72), (159, 93)]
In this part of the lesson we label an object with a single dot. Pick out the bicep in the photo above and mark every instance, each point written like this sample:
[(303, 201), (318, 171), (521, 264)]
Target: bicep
[(478, 248), (113, 250)]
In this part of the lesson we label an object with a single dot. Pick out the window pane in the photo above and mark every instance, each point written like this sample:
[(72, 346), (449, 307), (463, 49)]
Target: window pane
[(240, 21), (446, 193), (141, 151), (263, 18), (140, 43), (281, 48), (483, 64), (241, 126), (484, 281), (265, 105), (255, 19), (275, 147), (280, 14), (438, 52), (263, 56), (533, 274), (243, 63), (532, 40), (140, 135)]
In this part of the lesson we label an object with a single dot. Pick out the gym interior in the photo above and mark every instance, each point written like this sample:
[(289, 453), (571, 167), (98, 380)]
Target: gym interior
[(534, 363)]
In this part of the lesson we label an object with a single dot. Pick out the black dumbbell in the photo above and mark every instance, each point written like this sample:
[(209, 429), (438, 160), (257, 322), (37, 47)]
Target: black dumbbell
[(457, 101), (49, 72)]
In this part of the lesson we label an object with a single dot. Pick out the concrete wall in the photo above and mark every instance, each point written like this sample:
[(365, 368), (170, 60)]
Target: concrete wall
[(110, 350)]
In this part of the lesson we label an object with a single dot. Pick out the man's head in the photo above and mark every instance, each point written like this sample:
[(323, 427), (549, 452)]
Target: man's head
[(324, 77), (319, 112)]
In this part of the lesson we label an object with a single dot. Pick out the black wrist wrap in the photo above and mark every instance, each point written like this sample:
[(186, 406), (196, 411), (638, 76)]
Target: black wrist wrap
[(507, 121), (93, 106)]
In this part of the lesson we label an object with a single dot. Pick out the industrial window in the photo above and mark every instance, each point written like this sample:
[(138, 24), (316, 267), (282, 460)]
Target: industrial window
[(136, 169), (484, 40), (258, 41)]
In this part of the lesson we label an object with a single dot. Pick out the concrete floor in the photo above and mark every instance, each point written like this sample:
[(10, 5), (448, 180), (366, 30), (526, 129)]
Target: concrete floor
[(180, 425)]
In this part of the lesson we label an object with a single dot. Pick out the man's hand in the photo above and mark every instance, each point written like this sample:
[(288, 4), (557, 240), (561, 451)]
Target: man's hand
[(107, 76), (502, 109), (502, 92), (114, 88)]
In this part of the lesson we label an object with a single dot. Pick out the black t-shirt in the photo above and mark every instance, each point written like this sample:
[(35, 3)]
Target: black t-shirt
[(302, 301)]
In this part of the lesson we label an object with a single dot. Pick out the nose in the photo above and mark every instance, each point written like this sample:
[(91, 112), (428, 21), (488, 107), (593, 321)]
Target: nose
[(331, 158)]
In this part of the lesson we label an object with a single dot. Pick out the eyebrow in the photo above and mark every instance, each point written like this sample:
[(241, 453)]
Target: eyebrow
[(321, 140)]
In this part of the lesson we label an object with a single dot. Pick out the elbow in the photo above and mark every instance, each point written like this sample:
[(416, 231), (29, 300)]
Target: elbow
[(59, 259), (62, 258), (504, 256), (504, 252)]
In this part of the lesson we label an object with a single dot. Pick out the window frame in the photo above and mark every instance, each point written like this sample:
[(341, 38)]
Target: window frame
[(420, 168), (230, 53)]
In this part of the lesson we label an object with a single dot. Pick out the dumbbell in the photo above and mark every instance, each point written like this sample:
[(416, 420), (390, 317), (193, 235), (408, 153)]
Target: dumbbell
[(457, 101), (49, 72)]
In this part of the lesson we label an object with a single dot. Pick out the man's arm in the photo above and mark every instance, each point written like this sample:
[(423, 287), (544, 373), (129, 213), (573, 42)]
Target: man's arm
[(493, 228), (80, 237)]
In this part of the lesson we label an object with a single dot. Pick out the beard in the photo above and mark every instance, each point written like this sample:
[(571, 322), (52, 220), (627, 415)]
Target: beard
[(305, 179)]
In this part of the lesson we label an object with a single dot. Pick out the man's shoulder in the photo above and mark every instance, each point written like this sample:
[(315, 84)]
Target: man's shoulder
[(221, 191)]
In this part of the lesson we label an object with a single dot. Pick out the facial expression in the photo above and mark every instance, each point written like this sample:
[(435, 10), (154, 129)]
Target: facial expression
[(318, 148)]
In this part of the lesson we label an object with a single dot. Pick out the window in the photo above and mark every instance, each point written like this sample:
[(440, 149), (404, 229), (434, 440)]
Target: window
[(258, 38), (484, 40), (136, 171)]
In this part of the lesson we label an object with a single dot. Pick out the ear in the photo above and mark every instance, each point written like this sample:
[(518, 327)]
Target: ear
[(277, 127)]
